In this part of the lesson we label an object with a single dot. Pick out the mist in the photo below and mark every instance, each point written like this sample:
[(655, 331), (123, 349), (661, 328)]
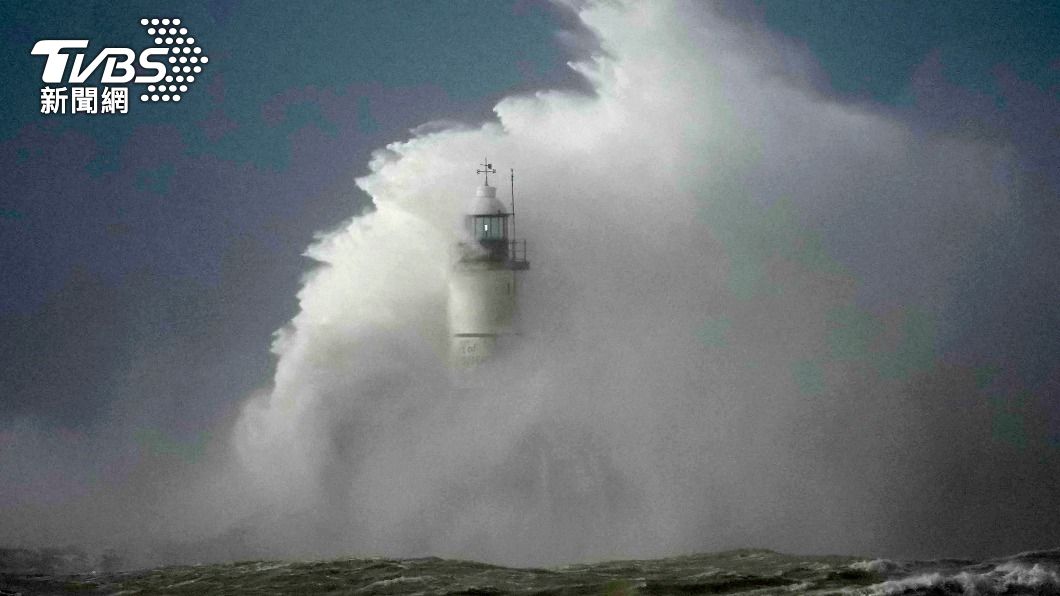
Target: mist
[(733, 334), (727, 329)]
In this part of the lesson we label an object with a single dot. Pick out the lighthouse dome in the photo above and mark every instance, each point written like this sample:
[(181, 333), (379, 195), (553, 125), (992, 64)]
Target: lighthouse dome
[(486, 202)]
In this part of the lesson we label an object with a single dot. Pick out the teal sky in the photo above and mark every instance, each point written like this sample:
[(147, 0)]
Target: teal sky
[(873, 48)]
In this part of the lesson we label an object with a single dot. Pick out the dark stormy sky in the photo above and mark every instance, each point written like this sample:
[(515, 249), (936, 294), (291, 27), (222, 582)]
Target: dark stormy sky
[(135, 237), (146, 259)]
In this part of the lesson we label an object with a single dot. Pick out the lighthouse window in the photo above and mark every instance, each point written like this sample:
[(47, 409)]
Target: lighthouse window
[(489, 228)]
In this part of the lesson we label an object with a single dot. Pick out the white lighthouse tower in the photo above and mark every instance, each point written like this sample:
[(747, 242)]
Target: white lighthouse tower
[(482, 288)]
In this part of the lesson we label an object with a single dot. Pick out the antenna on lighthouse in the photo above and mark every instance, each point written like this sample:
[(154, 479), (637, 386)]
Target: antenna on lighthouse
[(512, 175), (487, 169)]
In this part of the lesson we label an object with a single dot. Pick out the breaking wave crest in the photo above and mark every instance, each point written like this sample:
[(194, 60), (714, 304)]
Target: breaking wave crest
[(1036, 572)]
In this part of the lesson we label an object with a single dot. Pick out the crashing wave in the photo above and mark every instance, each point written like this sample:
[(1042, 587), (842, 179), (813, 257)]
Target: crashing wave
[(1035, 572)]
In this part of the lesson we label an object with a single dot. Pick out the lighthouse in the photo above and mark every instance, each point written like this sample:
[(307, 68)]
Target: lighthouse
[(482, 277)]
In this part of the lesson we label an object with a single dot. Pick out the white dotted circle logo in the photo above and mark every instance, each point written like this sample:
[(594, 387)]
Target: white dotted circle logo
[(184, 57)]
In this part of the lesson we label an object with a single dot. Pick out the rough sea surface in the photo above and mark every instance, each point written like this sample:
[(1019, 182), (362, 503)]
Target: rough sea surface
[(730, 572)]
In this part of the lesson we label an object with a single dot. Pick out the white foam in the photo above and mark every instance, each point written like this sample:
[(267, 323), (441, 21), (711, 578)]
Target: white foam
[(1005, 578), (882, 566)]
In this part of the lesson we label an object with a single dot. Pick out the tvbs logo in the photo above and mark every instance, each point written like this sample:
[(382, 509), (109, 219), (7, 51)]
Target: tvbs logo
[(168, 69), (119, 63)]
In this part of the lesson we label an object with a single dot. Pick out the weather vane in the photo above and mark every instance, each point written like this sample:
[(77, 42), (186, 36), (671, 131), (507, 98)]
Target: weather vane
[(487, 169)]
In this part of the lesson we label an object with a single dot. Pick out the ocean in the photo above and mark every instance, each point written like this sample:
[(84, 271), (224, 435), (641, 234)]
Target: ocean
[(730, 572)]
